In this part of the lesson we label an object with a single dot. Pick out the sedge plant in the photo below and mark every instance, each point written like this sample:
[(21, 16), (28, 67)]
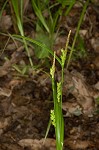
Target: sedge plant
[(56, 115)]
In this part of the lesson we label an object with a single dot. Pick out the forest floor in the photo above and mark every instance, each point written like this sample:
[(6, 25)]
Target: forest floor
[(26, 99)]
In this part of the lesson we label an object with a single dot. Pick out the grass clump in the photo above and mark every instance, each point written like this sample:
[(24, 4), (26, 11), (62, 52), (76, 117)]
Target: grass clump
[(17, 7), (47, 25)]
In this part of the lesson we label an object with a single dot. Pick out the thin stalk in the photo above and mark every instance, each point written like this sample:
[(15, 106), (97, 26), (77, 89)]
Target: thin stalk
[(70, 7), (77, 31), (1, 11), (21, 11)]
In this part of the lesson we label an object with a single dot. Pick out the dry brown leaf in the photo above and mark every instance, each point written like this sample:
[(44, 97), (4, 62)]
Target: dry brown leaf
[(15, 57), (3, 72), (36, 144), (26, 4), (96, 86), (5, 92), (72, 108), (9, 146), (4, 123), (78, 144), (96, 62), (15, 82), (83, 32), (82, 94), (75, 84), (5, 22), (95, 44)]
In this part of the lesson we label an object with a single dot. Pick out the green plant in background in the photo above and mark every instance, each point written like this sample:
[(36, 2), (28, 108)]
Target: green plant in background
[(80, 50), (46, 25), (69, 3), (47, 29), (18, 9), (77, 30)]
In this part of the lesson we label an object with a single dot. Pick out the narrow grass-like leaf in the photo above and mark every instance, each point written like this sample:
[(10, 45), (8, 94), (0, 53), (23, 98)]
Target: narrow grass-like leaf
[(66, 2), (4, 5), (15, 4), (39, 15), (71, 4), (77, 31), (21, 11)]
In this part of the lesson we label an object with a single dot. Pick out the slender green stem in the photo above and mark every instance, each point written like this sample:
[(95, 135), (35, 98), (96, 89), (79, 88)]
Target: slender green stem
[(3, 8), (77, 31), (70, 7)]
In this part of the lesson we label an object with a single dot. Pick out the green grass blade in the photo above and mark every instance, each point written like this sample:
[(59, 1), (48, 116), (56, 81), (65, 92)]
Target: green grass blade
[(4, 5), (21, 10), (17, 13), (77, 31), (71, 4), (66, 2), (39, 15), (19, 18), (47, 131)]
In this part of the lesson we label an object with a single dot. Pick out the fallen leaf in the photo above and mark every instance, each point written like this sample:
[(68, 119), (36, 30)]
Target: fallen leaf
[(4, 122), (97, 85), (5, 92), (95, 44), (5, 22), (72, 108), (36, 144), (96, 62), (75, 83), (78, 144)]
